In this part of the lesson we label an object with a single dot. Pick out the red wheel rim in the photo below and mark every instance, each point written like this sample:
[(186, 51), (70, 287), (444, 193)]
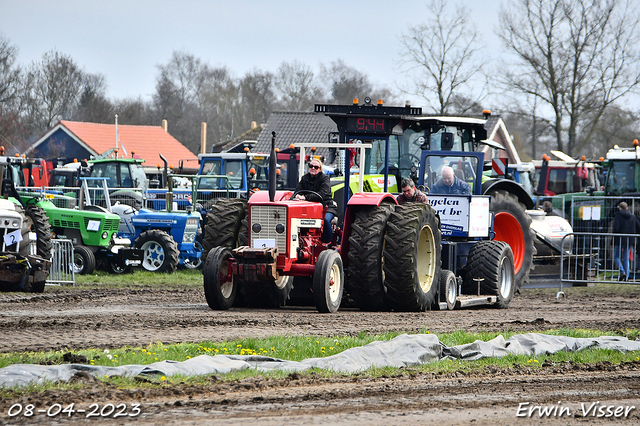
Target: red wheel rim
[(507, 229)]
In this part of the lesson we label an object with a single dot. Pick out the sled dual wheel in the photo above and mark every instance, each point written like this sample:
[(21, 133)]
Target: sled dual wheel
[(161, 252), (84, 261), (491, 263), (448, 288), (223, 224), (267, 294), (114, 268), (328, 282), (366, 278), (220, 285), (412, 257), (513, 226)]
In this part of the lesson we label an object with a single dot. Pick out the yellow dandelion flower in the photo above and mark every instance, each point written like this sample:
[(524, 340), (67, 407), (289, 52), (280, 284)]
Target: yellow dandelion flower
[(156, 359), (116, 355), (166, 350), (188, 357), (535, 360), (317, 341), (529, 361), (163, 378), (238, 346)]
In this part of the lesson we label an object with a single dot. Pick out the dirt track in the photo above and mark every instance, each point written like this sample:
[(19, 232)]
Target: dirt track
[(108, 318)]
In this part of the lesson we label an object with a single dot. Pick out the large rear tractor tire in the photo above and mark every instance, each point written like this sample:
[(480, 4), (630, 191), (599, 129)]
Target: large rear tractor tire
[(161, 252), (412, 257), (366, 278), (267, 294), (328, 282), (513, 226), (492, 262), (35, 220), (223, 223), (220, 286), (84, 261)]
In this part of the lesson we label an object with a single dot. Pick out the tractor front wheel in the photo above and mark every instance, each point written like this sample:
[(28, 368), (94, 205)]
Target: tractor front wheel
[(328, 282), (84, 261), (220, 285), (161, 253)]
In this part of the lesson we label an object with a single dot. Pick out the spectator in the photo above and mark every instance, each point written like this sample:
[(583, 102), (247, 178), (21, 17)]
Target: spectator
[(410, 193), (627, 223), (450, 184)]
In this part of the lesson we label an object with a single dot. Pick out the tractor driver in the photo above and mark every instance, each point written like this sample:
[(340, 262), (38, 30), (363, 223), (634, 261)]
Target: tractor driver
[(410, 193), (319, 183), (450, 184)]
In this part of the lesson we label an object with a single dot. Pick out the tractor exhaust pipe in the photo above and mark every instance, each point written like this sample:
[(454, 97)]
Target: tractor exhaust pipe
[(272, 168)]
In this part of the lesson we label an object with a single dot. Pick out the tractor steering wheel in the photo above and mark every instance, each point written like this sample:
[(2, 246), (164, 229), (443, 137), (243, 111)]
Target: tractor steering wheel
[(414, 159), (307, 191)]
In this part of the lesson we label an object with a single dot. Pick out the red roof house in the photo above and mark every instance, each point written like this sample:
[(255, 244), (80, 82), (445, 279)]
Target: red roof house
[(73, 139)]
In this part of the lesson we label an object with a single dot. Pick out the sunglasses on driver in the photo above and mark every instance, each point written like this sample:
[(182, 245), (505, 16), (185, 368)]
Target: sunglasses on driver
[(313, 166)]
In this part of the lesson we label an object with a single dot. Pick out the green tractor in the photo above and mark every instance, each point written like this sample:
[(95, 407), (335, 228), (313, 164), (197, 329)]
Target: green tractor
[(93, 231)]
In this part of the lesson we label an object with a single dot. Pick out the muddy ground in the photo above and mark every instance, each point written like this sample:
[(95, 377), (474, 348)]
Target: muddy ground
[(108, 318)]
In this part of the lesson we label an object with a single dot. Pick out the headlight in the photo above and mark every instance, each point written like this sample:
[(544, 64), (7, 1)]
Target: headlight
[(256, 228), (15, 223), (105, 235), (280, 228)]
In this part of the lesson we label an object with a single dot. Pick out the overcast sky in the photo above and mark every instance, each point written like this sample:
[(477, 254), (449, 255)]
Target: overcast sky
[(126, 40)]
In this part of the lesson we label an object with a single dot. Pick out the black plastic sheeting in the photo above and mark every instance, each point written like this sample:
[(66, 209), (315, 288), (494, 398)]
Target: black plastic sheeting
[(402, 351)]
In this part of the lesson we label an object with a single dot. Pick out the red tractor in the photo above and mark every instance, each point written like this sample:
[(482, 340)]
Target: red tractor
[(285, 240)]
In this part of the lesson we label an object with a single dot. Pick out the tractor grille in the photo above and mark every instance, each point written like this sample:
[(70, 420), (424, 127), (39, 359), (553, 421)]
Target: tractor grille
[(109, 224), (112, 225), (66, 224), (268, 217)]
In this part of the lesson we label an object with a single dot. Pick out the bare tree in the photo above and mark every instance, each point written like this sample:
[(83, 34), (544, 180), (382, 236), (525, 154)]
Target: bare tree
[(93, 105), (9, 73), (189, 92), (297, 87), (443, 57), (256, 97), (577, 57), (53, 87)]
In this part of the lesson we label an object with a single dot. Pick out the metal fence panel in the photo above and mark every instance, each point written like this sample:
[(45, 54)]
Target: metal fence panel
[(593, 258), (61, 271)]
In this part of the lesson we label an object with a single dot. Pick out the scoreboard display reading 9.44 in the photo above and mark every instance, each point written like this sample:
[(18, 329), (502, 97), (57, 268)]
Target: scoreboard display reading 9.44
[(368, 125)]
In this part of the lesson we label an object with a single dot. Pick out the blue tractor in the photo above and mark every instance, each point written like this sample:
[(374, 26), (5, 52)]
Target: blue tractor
[(167, 238)]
